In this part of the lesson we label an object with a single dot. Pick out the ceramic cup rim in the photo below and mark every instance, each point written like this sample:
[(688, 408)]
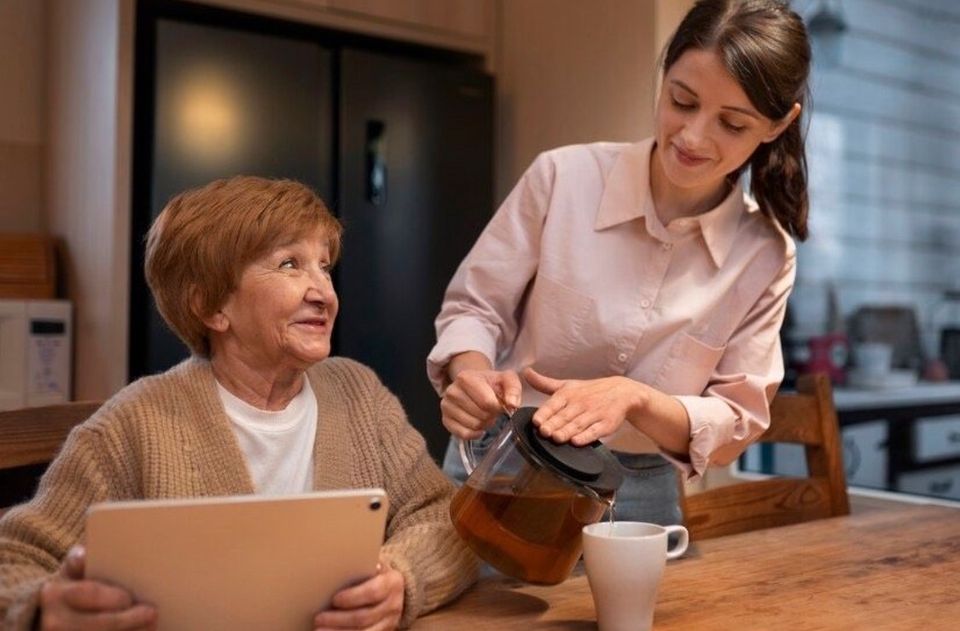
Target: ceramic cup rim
[(635, 530)]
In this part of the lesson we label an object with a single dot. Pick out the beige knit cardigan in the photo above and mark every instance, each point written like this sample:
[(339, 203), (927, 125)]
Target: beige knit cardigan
[(167, 436)]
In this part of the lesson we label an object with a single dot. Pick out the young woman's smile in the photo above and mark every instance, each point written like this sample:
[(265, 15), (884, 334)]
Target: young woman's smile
[(706, 125)]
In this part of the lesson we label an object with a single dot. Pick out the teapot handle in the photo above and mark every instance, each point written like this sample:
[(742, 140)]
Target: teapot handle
[(468, 452), (467, 455)]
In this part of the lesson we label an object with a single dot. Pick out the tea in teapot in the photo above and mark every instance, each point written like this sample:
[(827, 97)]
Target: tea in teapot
[(525, 504)]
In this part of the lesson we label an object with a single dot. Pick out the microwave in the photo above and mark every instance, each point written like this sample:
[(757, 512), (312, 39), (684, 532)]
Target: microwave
[(35, 352)]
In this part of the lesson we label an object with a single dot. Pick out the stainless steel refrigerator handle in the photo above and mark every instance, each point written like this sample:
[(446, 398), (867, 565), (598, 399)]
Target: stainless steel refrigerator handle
[(376, 171)]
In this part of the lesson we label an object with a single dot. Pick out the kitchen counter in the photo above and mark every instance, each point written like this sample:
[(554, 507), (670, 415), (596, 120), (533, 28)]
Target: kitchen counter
[(922, 394)]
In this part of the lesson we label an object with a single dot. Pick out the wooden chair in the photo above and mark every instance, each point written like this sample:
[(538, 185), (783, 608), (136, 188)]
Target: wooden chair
[(33, 436), (806, 417)]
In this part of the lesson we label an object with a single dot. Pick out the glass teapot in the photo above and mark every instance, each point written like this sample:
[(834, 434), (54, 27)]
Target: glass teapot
[(524, 505)]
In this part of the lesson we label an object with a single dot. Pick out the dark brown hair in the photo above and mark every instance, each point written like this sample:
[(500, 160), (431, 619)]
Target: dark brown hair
[(204, 238), (764, 47)]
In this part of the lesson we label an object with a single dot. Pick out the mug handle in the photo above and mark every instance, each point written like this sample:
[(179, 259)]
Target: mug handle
[(681, 546)]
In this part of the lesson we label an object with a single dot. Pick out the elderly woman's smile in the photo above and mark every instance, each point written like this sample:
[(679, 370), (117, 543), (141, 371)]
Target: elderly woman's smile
[(283, 308)]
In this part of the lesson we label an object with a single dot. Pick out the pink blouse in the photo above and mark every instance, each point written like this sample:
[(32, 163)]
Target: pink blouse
[(576, 276)]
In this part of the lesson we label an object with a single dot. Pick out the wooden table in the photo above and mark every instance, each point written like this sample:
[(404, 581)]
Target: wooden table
[(891, 569)]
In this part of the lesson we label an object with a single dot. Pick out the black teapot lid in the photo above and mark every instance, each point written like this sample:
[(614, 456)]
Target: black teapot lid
[(590, 465)]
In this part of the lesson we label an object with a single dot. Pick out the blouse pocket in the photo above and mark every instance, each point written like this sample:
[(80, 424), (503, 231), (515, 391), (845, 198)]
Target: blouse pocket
[(689, 366), (556, 317)]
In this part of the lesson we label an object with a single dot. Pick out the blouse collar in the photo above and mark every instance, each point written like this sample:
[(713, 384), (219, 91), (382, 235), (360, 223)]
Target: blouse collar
[(627, 196)]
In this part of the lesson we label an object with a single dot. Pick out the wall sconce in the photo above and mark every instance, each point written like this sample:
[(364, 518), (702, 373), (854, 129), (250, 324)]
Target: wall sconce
[(826, 25)]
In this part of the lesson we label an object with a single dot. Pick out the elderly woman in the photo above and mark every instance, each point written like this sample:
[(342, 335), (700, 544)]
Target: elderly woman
[(240, 270)]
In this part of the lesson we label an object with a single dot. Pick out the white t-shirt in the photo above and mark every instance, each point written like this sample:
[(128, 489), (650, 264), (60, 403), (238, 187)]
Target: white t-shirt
[(278, 445)]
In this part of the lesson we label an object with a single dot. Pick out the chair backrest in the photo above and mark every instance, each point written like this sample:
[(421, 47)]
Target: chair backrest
[(30, 436), (806, 417)]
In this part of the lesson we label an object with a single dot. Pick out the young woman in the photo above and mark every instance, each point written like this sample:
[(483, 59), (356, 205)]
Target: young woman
[(635, 287)]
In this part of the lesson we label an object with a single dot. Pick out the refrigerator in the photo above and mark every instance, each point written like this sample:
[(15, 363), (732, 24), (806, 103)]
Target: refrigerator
[(396, 140)]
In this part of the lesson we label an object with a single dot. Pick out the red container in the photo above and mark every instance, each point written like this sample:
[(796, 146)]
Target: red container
[(828, 354)]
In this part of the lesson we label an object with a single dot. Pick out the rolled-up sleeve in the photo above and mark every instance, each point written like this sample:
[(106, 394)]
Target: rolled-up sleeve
[(734, 409), (480, 305)]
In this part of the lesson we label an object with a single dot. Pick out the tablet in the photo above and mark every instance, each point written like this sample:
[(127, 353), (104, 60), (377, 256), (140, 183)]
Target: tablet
[(248, 562)]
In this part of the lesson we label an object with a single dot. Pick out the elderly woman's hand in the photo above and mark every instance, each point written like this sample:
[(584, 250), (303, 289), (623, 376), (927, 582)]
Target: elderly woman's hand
[(374, 605), (68, 601)]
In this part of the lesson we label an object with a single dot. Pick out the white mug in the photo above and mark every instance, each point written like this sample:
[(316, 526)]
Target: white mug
[(873, 358), (624, 563)]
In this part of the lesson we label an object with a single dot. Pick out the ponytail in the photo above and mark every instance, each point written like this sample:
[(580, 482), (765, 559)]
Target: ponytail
[(778, 180)]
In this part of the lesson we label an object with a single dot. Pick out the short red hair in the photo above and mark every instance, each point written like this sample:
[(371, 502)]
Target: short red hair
[(204, 238)]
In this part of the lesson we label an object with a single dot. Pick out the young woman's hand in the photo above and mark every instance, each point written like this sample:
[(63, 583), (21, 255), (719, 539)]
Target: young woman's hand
[(581, 411), (374, 605), (68, 601), (476, 395)]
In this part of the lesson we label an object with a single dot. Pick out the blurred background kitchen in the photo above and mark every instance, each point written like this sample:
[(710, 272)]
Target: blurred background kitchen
[(413, 119)]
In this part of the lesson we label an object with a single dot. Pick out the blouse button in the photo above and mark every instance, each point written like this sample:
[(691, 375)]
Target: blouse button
[(645, 303), (667, 246), (622, 357)]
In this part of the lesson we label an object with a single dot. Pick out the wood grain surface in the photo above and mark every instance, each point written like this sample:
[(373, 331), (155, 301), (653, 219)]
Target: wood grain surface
[(882, 569), (27, 266), (34, 435)]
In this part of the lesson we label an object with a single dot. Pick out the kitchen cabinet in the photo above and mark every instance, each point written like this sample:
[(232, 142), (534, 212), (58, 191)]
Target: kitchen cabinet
[(940, 482), (937, 438), (465, 25), (464, 18), (865, 458), (923, 432)]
